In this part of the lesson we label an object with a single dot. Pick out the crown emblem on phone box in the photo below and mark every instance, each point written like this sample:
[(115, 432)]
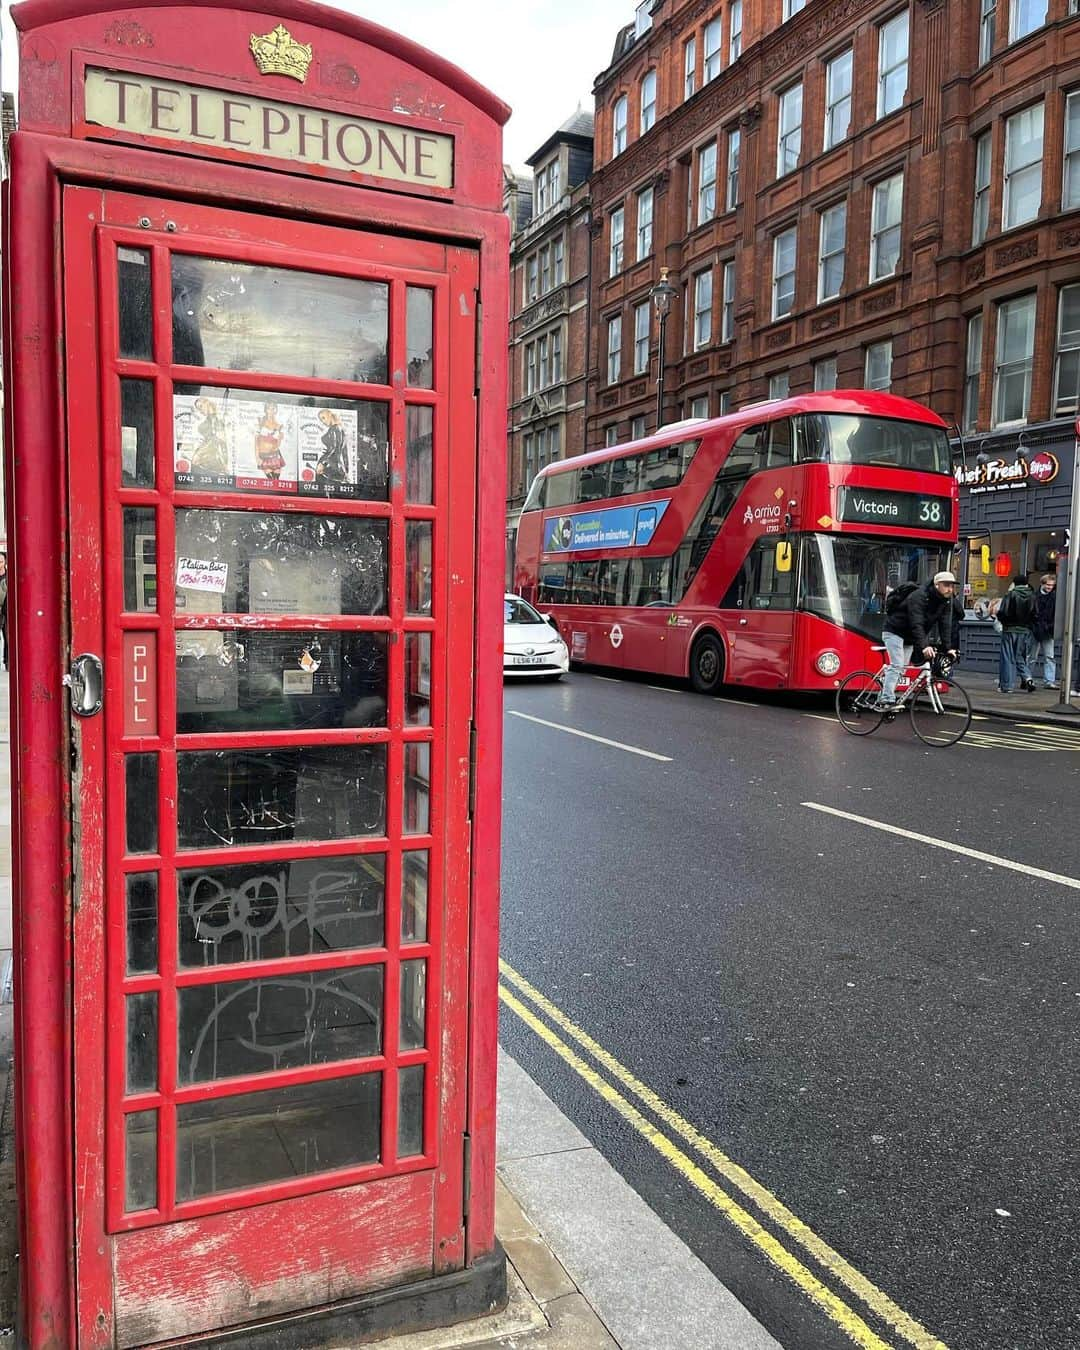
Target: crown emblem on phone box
[(279, 53)]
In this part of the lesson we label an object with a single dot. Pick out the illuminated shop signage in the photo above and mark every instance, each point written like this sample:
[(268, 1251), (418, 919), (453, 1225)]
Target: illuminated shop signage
[(999, 475), (209, 118)]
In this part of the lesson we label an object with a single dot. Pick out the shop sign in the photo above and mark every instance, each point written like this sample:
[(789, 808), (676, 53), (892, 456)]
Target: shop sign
[(1001, 475), (202, 118)]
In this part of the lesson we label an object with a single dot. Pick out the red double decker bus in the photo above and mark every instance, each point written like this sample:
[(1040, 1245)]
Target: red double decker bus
[(755, 549)]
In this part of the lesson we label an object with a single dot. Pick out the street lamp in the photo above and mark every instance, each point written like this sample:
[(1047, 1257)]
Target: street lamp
[(662, 294)]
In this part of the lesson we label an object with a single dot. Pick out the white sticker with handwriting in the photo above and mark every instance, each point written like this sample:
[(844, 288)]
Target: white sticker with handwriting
[(199, 574)]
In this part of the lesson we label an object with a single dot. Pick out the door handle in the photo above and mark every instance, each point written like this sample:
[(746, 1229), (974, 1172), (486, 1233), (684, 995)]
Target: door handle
[(87, 685)]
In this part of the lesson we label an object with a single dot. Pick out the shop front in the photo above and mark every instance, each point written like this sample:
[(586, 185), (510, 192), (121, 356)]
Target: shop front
[(1015, 493)]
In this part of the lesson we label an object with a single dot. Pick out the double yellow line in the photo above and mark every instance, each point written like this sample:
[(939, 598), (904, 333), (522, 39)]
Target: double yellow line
[(789, 1225)]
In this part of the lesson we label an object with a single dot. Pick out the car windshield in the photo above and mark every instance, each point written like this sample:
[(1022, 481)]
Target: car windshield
[(516, 610), (839, 438), (845, 579)]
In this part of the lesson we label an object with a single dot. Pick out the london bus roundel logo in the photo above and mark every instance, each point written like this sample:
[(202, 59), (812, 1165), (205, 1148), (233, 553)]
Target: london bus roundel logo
[(615, 636)]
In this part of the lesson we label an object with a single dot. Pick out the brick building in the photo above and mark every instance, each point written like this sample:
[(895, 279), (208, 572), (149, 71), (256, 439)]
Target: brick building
[(849, 193), (549, 291)]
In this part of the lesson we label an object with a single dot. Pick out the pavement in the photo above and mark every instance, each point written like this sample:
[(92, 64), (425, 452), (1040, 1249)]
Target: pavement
[(1041, 705), (591, 1266)]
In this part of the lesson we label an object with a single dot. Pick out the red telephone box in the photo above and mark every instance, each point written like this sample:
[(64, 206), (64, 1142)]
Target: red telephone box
[(255, 316)]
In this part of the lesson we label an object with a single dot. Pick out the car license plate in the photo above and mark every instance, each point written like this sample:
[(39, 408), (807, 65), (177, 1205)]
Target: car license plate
[(528, 660)]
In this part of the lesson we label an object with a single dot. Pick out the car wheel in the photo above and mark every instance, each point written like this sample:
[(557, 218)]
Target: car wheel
[(707, 664)]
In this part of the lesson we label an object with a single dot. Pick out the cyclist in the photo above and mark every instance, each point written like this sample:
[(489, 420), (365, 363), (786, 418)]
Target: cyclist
[(908, 623)]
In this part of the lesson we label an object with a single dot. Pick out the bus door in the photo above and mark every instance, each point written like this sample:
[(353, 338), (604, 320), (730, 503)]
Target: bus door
[(761, 612)]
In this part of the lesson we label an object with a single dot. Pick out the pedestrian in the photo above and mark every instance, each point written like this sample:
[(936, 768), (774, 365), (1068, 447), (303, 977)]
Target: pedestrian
[(1016, 614), (911, 612), (1042, 630)]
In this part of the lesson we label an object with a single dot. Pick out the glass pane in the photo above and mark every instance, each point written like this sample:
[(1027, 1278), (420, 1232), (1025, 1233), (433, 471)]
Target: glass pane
[(239, 680), (140, 560), (141, 775), (410, 1138), (142, 923), (287, 1022), (417, 788), (259, 1137), (271, 796), (133, 286), (414, 896), (235, 316), (140, 1158), (413, 1004), (142, 1020), (418, 567), (419, 452), (419, 317), (254, 562), (298, 907), (290, 443), (137, 433), (418, 679)]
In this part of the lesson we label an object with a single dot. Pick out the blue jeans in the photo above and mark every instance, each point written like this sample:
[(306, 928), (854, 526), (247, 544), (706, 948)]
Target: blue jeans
[(899, 660), (1013, 659), (1044, 648)]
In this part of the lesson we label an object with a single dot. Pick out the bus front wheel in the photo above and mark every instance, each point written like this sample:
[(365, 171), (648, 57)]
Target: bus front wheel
[(707, 664)]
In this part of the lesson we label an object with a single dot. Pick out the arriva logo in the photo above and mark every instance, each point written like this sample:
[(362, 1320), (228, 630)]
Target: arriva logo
[(761, 515)]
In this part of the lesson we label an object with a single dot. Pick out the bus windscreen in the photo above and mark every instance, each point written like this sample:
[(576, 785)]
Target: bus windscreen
[(840, 438), (845, 579)]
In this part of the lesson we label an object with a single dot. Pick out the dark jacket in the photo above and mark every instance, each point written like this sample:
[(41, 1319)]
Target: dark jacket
[(1045, 608), (921, 611), (1014, 602)]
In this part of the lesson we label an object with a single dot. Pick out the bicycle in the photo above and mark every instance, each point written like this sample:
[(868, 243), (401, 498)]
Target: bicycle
[(940, 710)]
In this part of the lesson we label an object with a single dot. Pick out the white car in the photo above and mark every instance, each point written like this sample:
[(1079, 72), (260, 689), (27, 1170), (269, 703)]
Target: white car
[(531, 645)]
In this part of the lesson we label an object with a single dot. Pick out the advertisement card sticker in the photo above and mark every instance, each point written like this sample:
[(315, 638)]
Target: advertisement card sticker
[(198, 574)]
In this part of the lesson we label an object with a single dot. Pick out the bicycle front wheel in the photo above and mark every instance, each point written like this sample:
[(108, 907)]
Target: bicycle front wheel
[(940, 716), (857, 703)]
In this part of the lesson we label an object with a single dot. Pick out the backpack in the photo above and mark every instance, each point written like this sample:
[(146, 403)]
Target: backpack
[(897, 598), (1017, 611)]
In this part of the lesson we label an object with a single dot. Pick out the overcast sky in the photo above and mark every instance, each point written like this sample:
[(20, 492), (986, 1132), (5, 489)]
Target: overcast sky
[(540, 56)]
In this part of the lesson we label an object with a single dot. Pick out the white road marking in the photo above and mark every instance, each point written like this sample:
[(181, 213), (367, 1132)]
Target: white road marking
[(588, 736), (991, 858), (821, 717), (608, 679), (663, 689)]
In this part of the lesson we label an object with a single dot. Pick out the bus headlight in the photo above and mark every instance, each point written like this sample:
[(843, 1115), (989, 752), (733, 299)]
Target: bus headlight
[(828, 663)]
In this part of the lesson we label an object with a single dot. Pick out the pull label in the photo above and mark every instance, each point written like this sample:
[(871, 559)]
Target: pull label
[(140, 684)]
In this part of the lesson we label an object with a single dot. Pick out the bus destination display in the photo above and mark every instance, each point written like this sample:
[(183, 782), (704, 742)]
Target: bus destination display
[(908, 510)]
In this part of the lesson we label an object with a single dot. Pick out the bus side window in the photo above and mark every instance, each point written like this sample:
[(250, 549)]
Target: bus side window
[(780, 446), (660, 468), (585, 590), (625, 474), (562, 489), (812, 439), (554, 586), (612, 583), (770, 588), (594, 481), (748, 453), (649, 581), (535, 499)]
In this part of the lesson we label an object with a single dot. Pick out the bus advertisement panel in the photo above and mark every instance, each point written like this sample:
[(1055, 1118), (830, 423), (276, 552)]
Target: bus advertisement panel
[(754, 549)]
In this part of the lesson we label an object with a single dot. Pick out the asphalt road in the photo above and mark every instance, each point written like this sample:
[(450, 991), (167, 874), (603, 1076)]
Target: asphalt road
[(881, 1032)]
